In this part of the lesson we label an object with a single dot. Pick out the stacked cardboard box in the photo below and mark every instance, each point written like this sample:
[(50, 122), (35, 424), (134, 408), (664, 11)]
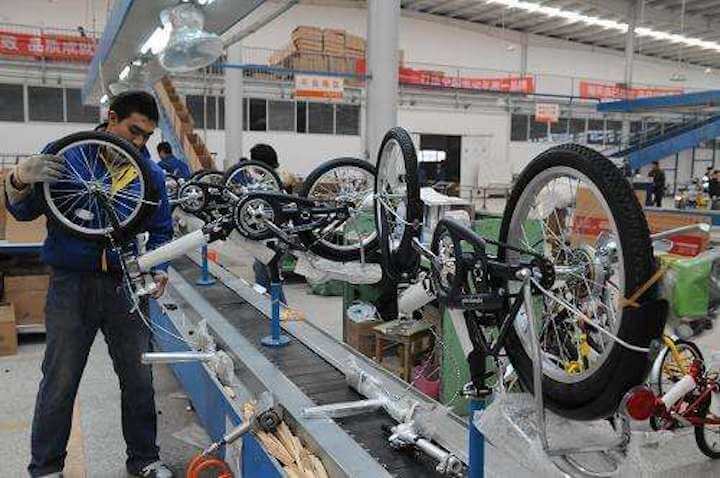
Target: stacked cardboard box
[(27, 295), (334, 42), (8, 333), (354, 46), (307, 39)]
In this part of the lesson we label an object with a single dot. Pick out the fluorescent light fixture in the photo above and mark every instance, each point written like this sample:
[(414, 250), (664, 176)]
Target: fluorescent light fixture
[(622, 27), (124, 73), (157, 41), (205, 2)]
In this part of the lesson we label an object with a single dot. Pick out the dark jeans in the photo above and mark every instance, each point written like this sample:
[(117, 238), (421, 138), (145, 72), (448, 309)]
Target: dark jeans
[(262, 277), (658, 193), (78, 304)]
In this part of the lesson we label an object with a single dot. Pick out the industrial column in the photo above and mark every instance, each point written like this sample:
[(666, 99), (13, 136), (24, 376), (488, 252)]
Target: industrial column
[(634, 9), (233, 106), (382, 67)]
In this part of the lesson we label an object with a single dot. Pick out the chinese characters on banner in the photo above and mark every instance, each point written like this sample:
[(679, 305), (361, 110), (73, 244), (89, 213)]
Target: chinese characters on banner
[(509, 84), (547, 112), (51, 47), (318, 87), (605, 91)]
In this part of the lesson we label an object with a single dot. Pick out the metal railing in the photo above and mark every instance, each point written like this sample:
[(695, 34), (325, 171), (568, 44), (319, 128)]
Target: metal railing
[(545, 84)]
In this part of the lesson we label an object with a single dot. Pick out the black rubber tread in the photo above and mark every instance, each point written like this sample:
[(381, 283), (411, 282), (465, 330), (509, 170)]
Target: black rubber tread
[(228, 174), (598, 395), (151, 193), (309, 238), (700, 433), (406, 261)]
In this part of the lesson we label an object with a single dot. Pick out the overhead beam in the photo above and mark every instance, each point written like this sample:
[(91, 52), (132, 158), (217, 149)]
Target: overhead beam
[(441, 6)]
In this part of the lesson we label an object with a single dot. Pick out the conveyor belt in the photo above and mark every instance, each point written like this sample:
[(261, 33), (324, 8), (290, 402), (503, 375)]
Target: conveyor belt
[(319, 380)]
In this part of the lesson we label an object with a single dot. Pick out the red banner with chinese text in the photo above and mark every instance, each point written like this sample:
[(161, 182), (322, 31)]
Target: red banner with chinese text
[(51, 47), (510, 84), (617, 91)]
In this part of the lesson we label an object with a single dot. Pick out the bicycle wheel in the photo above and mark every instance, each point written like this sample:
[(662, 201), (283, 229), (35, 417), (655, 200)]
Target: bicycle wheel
[(707, 436), (574, 207), (398, 211), (106, 189), (670, 371), (208, 177), (336, 183), (251, 176)]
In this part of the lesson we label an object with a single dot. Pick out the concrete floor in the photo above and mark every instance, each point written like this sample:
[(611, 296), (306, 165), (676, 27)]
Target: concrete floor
[(96, 447)]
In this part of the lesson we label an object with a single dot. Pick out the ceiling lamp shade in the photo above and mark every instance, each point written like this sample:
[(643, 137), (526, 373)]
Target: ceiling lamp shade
[(189, 46), (138, 75)]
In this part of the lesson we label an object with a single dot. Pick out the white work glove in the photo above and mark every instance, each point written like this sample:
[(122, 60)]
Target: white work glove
[(39, 168)]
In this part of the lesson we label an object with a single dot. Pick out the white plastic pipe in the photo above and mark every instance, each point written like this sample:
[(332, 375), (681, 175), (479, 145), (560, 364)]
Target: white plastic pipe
[(172, 250), (414, 297), (679, 390), (175, 357)]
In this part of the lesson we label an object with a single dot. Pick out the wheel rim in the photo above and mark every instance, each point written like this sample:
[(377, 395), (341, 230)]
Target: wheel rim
[(672, 371), (392, 192), (252, 214), (252, 178), (96, 168), (171, 186), (192, 197), (352, 186), (562, 215)]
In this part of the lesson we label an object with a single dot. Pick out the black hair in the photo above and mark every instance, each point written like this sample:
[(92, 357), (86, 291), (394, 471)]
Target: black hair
[(266, 154), (164, 147), (656, 163), (131, 102)]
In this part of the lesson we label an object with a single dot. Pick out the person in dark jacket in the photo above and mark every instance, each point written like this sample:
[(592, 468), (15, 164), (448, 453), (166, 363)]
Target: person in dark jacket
[(714, 190), (170, 164), (84, 296), (658, 176)]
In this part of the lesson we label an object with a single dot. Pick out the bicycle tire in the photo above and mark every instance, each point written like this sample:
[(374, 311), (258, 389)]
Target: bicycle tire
[(598, 395), (309, 238), (229, 174), (700, 439), (403, 262), (151, 194)]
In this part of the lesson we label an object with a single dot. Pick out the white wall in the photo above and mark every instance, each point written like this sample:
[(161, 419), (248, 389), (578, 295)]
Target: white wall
[(32, 137)]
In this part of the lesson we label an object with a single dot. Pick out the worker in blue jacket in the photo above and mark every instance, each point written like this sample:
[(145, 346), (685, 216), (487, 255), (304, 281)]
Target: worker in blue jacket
[(86, 295), (170, 163)]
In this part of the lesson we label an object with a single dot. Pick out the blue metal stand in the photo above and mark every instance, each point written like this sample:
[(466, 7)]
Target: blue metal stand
[(205, 277), (275, 339), (476, 441)]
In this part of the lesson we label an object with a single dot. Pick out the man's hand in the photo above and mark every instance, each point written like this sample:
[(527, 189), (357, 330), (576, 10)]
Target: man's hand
[(161, 280), (39, 168)]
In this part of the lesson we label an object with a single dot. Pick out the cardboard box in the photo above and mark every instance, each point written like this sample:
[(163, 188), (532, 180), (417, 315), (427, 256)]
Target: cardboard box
[(23, 232), (8, 332), (27, 294), (360, 336)]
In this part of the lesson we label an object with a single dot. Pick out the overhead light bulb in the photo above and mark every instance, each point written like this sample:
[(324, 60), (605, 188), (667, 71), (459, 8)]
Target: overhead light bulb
[(157, 41), (124, 73), (104, 99), (708, 71)]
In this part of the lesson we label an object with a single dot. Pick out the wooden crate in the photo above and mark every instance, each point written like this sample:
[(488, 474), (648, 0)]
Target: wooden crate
[(8, 331), (360, 336)]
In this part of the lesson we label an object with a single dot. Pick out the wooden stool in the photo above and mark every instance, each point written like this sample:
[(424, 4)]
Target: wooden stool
[(413, 336)]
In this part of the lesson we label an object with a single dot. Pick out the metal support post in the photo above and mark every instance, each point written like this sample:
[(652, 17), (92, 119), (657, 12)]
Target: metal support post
[(476, 440), (275, 339), (205, 277)]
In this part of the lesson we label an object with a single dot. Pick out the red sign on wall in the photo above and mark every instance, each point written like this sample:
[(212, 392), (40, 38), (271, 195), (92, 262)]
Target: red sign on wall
[(605, 91), (509, 84), (52, 47)]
